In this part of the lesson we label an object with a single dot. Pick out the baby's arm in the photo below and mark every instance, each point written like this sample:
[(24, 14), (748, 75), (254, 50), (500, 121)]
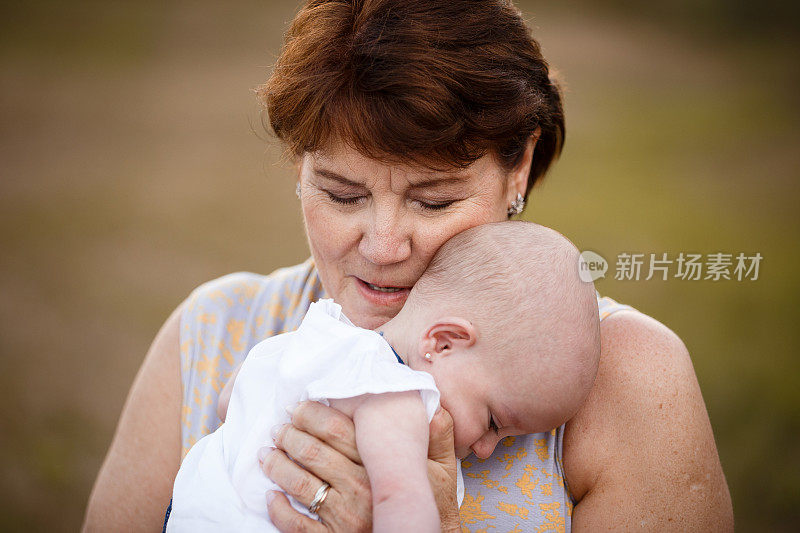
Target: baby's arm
[(225, 395), (392, 439)]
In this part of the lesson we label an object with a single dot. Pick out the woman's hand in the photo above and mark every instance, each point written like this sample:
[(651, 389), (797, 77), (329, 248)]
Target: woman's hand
[(442, 470), (322, 441)]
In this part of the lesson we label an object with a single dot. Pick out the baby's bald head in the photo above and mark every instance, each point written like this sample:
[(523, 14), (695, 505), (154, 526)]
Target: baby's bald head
[(517, 283)]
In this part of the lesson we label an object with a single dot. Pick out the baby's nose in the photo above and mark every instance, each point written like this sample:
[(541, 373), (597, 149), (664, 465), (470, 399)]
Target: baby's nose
[(484, 448)]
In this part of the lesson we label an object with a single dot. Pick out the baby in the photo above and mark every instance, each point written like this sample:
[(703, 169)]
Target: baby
[(499, 329)]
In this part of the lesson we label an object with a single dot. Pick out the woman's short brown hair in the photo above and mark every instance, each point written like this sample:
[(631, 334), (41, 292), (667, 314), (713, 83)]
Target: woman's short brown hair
[(434, 82)]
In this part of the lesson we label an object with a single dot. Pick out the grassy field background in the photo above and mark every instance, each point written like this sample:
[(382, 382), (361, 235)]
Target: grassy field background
[(135, 167)]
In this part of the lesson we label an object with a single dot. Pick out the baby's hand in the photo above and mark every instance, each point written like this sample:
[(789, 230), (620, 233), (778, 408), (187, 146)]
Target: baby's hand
[(225, 396)]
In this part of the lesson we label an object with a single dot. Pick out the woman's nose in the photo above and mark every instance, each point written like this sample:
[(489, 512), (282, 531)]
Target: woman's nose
[(385, 240)]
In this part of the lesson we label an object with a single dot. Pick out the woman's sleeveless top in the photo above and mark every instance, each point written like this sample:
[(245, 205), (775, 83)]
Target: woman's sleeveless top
[(521, 487)]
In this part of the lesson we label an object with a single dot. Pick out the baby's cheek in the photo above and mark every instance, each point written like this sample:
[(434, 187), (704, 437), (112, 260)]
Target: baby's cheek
[(461, 437)]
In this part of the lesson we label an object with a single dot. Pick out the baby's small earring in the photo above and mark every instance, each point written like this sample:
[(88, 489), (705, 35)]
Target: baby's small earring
[(427, 357)]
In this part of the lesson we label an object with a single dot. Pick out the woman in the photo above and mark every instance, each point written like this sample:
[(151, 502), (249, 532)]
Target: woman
[(410, 122)]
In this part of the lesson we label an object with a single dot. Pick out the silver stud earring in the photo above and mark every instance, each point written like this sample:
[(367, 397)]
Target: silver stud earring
[(297, 190), (428, 356), (516, 206)]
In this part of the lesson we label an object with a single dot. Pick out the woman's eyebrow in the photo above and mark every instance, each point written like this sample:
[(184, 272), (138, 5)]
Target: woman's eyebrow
[(435, 182), (336, 177), (427, 183)]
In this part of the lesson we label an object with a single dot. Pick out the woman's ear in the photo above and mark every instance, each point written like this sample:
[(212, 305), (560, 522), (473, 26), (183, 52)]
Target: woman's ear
[(446, 336), (518, 178)]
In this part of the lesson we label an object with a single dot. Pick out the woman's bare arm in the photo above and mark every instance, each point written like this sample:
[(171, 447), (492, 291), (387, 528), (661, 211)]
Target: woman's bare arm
[(134, 485), (640, 454)]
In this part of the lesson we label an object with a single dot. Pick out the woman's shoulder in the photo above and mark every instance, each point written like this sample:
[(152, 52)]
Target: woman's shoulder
[(247, 292), (641, 357), (633, 338), (644, 410), (625, 328), (238, 286), (607, 306), (230, 314)]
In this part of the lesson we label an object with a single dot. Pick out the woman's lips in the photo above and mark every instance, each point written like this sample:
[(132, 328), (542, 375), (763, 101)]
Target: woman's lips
[(389, 296)]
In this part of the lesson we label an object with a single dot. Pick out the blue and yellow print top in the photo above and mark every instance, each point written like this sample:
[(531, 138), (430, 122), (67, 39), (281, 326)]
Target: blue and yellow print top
[(521, 487)]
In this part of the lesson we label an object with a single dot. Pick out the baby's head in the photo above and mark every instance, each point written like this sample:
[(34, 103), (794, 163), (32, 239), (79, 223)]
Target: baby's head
[(507, 329)]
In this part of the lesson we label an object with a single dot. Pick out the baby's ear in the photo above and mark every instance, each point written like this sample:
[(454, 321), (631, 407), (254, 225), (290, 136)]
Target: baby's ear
[(447, 335)]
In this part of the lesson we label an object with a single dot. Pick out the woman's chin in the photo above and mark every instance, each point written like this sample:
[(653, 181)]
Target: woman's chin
[(367, 316), (368, 320)]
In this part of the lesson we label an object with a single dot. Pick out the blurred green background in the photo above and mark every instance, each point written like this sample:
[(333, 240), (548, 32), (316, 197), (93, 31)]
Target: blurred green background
[(135, 167)]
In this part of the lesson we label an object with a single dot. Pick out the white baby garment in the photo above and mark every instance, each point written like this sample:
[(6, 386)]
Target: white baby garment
[(220, 485)]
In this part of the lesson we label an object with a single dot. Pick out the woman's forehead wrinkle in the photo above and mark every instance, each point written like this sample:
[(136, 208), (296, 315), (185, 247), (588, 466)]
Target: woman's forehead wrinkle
[(354, 169), (397, 177), (397, 181), (440, 181), (428, 179)]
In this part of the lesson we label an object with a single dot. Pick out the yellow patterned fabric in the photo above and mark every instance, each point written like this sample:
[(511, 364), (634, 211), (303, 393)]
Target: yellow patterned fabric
[(520, 487)]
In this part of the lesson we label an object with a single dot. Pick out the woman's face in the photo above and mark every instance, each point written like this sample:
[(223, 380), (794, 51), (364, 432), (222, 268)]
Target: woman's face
[(374, 227)]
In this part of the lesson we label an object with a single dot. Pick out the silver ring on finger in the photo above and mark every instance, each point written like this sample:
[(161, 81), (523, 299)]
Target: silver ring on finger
[(319, 497)]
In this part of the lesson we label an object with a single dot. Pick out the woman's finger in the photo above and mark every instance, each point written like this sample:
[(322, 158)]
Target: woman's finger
[(286, 518), (442, 472), (440, 447), (339, 515), (320, 459), (328, 425), (300, 483), (322, 440)]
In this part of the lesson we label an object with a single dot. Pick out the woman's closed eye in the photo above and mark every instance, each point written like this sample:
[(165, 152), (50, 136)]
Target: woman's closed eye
[(434, 206), (345, 200), (354, 199)]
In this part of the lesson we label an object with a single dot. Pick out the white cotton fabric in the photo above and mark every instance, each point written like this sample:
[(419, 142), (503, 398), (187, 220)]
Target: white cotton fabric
[(220, 485)]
